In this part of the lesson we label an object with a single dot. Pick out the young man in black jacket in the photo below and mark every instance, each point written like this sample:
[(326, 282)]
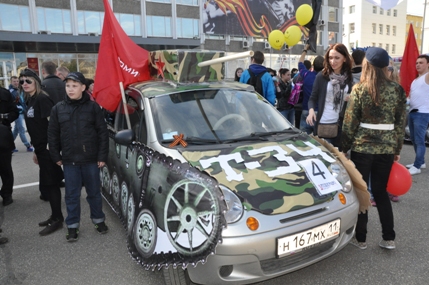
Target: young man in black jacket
[(78, 140)]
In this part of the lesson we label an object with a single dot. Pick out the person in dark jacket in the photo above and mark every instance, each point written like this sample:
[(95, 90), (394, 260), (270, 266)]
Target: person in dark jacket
[(38, 109), (8, 113), (78, 140), (283, 94), (51, 83)]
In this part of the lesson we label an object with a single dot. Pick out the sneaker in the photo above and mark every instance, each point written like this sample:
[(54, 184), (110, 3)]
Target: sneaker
[(412, 164), (72, 234), (373, 203), (387, 244), (3, 240), (51, 227), (413, 170), (15, 150), (30, 149), (361, 245), (394, 198), (101, 228)]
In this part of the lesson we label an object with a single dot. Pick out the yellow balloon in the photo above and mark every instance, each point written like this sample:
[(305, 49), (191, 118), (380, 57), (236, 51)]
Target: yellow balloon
[(292, 35), (276, 39), (304, 14)]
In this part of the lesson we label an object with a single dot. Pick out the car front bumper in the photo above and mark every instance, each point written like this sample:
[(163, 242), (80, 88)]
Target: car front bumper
[(252, 258)]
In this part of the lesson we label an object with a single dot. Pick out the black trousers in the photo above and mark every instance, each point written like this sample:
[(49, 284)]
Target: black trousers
[(379, 166), (6, 174), (50, 176)]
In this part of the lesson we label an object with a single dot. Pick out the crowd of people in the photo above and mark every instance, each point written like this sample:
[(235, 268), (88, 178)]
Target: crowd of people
[(356, 103), (63, 124)]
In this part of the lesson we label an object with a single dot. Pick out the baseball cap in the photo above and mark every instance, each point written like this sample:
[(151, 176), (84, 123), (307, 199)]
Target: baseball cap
[(76, 76)]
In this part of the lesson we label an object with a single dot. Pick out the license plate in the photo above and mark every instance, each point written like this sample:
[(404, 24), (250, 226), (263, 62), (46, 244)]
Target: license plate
[(306, 239)]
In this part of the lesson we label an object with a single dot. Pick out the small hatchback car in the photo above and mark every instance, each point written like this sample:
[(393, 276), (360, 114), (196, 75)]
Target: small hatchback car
[(215, 186)]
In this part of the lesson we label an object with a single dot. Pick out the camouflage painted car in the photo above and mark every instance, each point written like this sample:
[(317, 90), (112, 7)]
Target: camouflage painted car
[(214, 185)]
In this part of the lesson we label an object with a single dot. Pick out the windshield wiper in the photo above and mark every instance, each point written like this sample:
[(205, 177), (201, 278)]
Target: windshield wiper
[(246, 138), (285, 131), (194, 140)]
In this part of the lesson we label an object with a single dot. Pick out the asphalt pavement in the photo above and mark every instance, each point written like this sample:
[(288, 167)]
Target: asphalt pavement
[(30, 259)]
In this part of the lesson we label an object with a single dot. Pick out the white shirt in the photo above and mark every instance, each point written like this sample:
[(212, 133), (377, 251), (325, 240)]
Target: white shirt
[(419, 94), (330, 115)]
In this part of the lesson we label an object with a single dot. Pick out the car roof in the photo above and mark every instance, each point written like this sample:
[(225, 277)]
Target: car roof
[(154, 88)]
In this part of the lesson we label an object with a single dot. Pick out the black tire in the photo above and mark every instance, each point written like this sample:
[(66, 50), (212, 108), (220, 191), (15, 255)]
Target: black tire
[(176, 276)]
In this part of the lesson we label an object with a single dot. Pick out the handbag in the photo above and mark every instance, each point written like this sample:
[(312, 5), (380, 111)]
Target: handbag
[(327, 130)]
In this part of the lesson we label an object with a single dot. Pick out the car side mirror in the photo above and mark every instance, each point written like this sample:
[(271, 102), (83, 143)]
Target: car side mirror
[(125, 137)]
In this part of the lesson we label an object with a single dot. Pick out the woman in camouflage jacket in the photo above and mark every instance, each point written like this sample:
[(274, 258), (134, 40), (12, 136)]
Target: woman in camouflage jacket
[(373, 130)]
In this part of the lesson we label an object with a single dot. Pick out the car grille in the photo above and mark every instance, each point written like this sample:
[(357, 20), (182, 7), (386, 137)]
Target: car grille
[(274, 265)]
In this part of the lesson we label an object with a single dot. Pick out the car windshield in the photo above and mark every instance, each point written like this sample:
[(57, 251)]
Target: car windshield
[(215, 116)]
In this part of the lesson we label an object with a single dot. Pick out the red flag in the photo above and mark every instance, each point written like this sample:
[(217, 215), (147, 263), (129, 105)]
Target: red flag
[(408, 72), (119, 60)]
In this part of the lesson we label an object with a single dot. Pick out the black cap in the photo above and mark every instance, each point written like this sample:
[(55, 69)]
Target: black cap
[(377, 57), (76, 76), (30, 73)]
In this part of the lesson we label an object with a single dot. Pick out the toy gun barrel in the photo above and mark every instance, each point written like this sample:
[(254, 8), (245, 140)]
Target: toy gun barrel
[(226, 58)]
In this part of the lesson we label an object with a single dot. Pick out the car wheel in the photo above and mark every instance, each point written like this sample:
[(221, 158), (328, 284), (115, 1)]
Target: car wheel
[(114, 188), (176, 276), (124, 199), (105, 179), (131, 209), (145, 233), (191, 209)]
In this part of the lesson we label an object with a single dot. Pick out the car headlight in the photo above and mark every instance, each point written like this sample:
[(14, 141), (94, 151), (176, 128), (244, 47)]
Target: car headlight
[(340, 173), (235, 207)]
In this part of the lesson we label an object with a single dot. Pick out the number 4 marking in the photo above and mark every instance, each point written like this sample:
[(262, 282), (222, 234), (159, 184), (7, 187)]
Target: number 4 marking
[(319, 172)]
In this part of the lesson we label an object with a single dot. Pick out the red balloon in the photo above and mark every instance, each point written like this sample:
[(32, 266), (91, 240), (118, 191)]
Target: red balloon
[(399, 180)]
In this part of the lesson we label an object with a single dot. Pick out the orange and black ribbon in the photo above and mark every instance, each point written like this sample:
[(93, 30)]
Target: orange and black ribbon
[(178, 139)]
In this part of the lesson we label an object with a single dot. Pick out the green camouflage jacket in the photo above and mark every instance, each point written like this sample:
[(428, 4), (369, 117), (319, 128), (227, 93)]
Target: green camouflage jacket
[(361, 109)]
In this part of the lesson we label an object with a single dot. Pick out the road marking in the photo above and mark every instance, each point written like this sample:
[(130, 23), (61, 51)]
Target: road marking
[(26, 185)]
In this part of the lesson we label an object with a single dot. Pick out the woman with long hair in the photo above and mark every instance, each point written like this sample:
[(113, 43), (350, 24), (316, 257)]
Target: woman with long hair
[(330, 93), (37, 114), (283, 91), (237, 74), (373, 130)]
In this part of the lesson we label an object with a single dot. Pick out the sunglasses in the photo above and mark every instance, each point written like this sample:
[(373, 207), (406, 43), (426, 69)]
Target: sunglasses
[(28, 81)]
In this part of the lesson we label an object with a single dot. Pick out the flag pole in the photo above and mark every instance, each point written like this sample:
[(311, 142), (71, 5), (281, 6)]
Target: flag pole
[(127, 116)]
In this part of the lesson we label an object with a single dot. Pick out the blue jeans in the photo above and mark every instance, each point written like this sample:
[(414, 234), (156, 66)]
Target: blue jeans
[(289, 115), (303, 126), (19, 129), (74, 175), (418, 124)]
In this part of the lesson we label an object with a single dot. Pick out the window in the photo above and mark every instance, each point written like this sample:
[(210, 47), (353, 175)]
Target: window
[(14, 18), (381, 11), (352, 28), (417, 24), (380, 45), (187, 28), (394, 31), (333, 14), (161, 1), (393, 49), (130, 23), (158, 26), (381, 29), (388, 12), (395, 13), (187, 2), (373, 44), (89, 22), (374, 28), (54, 20), (374, 9), (333, 37), (352, 9), (387, 29), (387, 48), (352, 45)]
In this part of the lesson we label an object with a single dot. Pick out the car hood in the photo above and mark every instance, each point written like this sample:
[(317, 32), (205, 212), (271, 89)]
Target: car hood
[(256, 172)]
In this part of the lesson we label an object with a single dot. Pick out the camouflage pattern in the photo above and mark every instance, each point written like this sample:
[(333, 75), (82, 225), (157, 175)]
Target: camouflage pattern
[(182, 65), (362, 109), (268, 195)]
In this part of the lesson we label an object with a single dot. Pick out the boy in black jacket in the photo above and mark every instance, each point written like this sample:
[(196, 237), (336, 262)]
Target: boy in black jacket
[(78, 140)]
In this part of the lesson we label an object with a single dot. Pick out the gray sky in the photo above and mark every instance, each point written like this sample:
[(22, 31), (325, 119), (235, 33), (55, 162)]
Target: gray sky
[(415, 7)]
